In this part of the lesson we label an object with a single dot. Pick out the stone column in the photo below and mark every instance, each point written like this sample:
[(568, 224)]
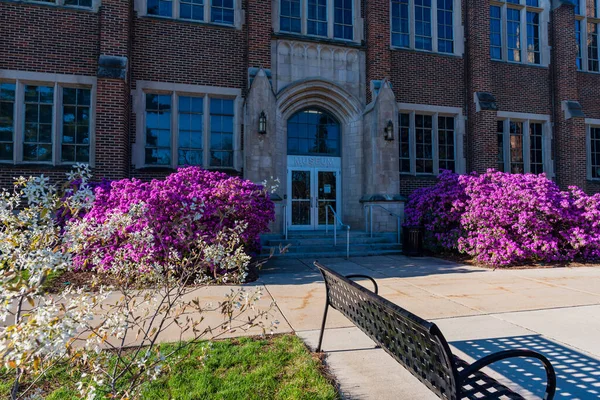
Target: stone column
[(377, 23), (482, 141), (112, 150), (381, 159), (569, 124), (264, 153)]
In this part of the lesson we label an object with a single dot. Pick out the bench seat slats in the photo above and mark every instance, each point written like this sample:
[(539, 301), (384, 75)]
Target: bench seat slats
[(481, 386)]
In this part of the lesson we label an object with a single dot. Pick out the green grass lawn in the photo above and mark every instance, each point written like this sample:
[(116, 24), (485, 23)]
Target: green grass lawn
[(276, 368)]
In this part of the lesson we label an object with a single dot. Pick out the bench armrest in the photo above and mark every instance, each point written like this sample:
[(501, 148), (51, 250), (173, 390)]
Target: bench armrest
[(365, 277), (502, 355)]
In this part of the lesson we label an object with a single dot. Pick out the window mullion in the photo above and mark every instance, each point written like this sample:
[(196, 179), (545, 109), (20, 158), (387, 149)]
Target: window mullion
[(330, 18), (413, 146), (19, 135), (411, 24), (527, 147), (504, 28), (435, 145), (523, 36), (174, 130), (55, 131), (434, 27), (584, 45), (506, 143), (175, 9), (207, 5), (206, 133)]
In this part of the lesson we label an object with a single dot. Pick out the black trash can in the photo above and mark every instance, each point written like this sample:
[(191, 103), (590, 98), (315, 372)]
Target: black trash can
[(412, 240)]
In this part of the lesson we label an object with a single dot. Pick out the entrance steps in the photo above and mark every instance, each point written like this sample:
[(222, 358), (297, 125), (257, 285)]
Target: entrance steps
[(318, 244)]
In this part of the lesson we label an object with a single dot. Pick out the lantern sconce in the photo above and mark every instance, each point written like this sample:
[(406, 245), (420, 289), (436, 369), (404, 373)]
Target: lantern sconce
[(388, 131), (262, 123)]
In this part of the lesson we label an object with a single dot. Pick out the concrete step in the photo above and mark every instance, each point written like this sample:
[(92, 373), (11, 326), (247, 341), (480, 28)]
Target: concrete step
[(329, 241), (320, 255), (341, 246)]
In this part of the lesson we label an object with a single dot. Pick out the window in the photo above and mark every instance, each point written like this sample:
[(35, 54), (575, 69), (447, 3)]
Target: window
[(178, 127), (587, 19), (7, 120), (521, 146), (215, 11), (48, 123), (424, 24), (516, 31), (333, 19), (76, 125), (313, 132), (158, 129), (427, 143), (221, 133), (594, 152), (191, 125)]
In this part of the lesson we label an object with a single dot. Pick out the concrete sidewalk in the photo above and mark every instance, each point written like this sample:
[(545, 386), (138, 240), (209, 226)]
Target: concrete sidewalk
[(554, 311)]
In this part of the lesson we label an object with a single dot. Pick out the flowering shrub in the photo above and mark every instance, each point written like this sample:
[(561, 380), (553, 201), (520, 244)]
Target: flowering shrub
[(438, 209), (503, 219), (188, 205)]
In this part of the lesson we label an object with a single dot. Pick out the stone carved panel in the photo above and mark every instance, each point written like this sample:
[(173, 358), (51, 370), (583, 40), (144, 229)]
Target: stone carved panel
[(296, 60)]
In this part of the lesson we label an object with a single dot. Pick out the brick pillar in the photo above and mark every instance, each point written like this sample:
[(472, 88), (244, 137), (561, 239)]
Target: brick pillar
[(113, 90), (482, 141), (259, 28), (569, 128), (377, 27)]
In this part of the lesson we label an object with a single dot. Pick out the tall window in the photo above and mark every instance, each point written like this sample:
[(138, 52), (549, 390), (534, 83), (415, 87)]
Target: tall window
[(427, 143), (191, 126), (332, 19), (7, 120), (594, 152), (216, 11), (521, 146), (76, 125), (37, 130), (515, 31), (221, 133), (184, 114), (49, 123), (424, 24), (317, 17), (586, 34)]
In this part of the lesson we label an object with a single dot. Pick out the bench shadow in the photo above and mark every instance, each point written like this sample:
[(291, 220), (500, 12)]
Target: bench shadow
[(577, 374)]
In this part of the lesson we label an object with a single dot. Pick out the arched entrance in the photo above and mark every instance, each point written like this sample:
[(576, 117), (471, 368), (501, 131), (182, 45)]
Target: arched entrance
[(314, 168)]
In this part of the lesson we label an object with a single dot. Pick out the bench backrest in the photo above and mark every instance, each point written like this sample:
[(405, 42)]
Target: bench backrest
[(415, 343)]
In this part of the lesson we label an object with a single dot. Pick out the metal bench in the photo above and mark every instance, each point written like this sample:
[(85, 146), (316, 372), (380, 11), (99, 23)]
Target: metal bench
[(419, 345)]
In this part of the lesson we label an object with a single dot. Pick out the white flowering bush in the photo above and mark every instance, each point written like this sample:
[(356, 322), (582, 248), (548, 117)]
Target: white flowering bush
[(109, 336)]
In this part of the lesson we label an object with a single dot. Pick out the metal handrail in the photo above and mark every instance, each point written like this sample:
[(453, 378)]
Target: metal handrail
[(369, 220), (285, 222), (335, 216)]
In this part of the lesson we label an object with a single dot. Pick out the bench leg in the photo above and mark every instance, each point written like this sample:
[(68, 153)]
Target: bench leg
[(323, 326)]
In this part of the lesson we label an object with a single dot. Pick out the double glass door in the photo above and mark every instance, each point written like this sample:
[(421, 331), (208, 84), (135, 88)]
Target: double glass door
[(310, 191)]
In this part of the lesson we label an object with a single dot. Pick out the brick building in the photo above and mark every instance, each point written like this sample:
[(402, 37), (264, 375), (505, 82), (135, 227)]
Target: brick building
[(348, 102)]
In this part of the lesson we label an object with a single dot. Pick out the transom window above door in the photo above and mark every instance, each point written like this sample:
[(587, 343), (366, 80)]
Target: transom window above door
[(313, 132), (333, 19)]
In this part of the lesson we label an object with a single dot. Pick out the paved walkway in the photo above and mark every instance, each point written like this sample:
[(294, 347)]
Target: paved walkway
[(554, 311)]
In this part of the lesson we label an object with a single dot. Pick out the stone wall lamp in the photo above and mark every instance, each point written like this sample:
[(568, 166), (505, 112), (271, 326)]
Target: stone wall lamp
[(262, 123), (388, 131)]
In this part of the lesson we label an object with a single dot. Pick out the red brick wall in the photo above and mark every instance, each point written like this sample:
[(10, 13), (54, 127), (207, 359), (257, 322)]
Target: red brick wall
[(45, 38), (521, 88), (259, 28), (377, 37)]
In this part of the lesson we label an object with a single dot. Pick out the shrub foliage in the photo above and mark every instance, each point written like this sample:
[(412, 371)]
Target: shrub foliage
[(504, 219)]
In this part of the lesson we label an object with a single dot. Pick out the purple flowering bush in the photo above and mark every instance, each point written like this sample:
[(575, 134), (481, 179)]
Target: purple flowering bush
[(189, 205), (503, 219)]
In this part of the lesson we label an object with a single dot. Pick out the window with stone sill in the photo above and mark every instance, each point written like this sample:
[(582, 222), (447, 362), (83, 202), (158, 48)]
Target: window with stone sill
[(69, 3), (516, 31), (428, 25), (214, 11), (184, 114), (332, 19), (427, 143), (45, 123), (520, 146), (594, 152), (587, 20)]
